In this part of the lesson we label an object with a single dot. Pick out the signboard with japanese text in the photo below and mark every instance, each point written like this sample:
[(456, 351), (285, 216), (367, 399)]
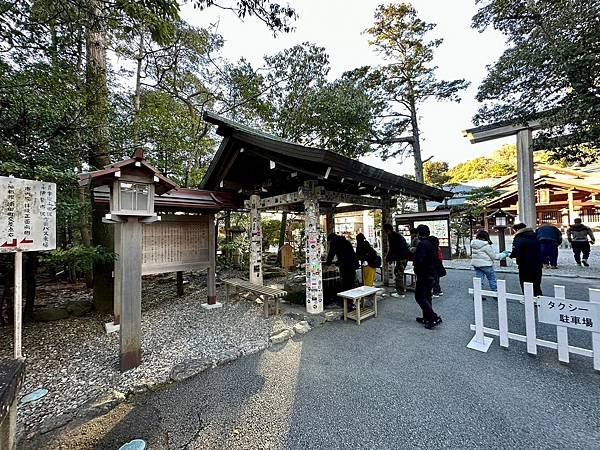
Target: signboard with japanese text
[(27, 215), (569, 313), (175, 243), (437, 228)]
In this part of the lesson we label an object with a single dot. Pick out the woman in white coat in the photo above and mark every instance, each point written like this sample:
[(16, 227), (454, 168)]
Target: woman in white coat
[(483, 257)]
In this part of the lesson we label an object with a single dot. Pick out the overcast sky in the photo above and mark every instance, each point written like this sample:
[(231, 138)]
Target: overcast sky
[(338, 26)]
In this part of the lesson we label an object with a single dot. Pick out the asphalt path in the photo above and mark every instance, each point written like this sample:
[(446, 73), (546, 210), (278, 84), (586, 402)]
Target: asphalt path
[(387, 384)]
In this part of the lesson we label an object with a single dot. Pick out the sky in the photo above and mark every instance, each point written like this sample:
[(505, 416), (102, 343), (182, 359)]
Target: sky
[(338, 25)]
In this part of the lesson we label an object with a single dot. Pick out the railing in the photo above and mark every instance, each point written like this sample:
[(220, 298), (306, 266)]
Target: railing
[(481, 342)]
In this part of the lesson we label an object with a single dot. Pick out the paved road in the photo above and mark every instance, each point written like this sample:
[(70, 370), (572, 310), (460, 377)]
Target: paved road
[(388, 384)]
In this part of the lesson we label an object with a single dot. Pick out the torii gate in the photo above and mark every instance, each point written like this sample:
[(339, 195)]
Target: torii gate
[(525, 170)]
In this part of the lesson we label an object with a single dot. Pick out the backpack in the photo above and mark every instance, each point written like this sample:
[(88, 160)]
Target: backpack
[(373, 259)]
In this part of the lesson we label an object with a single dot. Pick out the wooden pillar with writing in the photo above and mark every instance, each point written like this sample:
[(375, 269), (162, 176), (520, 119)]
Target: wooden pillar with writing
[(314, 270), (256, 272), (386, 217), (129, 249), (212, 263)]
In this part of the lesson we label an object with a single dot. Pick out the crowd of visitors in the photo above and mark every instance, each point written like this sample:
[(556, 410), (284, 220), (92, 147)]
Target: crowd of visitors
[(531, 249)]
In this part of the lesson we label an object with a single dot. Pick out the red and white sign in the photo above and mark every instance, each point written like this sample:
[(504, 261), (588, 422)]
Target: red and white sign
[(27, 215)]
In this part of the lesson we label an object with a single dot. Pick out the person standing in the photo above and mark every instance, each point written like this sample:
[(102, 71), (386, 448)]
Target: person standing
[(441, 270), (527, 251), (367, 254), (578, 234), (483, 258), (426, 266), (550, 238), (347, 262), (397, 252)]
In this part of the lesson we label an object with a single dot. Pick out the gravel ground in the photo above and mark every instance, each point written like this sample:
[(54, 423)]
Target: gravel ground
[(566, 265), (388, 384), (78, 362)]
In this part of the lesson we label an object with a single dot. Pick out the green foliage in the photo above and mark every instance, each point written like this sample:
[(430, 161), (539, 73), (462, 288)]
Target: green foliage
[(480, 168), (270, 232), (78, 260), (408, 80), (435, 173), (292, 98), (549, 70)]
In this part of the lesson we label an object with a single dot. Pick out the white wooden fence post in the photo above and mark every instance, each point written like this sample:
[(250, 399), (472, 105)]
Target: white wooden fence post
[(562, 336), (502, 314), (480, 341), (595, 298), (530, 319)]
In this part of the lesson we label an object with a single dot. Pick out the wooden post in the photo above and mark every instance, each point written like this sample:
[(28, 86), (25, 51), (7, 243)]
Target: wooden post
[(179, 284), (314, 270), (256, 273), (330, 221), (227, 236), (212, 261), (386, 217), (18, 294), (526, 178), (117, 277), (130, 254)]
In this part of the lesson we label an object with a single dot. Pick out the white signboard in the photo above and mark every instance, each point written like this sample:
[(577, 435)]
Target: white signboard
[(569, 313), (27, 215)]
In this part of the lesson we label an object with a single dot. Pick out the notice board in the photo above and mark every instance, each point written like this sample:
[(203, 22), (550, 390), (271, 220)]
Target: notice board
[(27, 215), (176, 243)]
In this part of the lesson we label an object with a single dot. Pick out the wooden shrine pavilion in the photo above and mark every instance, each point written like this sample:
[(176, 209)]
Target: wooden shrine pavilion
[(278, 175)]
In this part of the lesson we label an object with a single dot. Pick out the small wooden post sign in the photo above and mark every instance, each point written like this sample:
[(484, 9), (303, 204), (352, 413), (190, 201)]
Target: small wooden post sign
[(27, 224)]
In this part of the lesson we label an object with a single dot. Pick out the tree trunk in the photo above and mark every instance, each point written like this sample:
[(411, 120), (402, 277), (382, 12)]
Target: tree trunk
[(416, 145), (30, 283), (282, 229), (138, 90), (97, 111)]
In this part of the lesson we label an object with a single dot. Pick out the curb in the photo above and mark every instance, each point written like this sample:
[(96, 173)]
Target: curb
[(558, 275)]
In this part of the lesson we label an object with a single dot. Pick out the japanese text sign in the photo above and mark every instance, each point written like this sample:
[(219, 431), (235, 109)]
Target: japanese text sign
[(27, 215), (569, 313)]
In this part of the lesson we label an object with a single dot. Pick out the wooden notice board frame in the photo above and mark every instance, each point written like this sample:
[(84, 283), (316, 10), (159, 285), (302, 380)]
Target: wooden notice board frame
[(176, 243)]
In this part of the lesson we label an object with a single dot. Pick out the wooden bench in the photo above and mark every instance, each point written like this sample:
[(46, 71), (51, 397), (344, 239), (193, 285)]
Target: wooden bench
[(410, 279), (360, 294), (267, 294)]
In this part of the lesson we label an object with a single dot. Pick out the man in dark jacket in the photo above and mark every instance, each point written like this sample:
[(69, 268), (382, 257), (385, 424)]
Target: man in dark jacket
[(550, 238), (578, 237), (399, 253), (527, 251), (341, 248), (426, 267)]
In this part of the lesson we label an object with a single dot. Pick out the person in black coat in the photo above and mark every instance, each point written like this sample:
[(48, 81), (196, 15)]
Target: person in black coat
[(347, 261), (550, 237), (426, 264), (526, 250)]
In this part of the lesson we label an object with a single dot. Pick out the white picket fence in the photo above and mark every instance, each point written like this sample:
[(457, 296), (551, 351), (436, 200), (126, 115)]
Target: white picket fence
[(481, 342)]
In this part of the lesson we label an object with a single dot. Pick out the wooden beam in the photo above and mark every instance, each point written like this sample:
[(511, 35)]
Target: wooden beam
[(488, 133), (278, 200), (339, 197)]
